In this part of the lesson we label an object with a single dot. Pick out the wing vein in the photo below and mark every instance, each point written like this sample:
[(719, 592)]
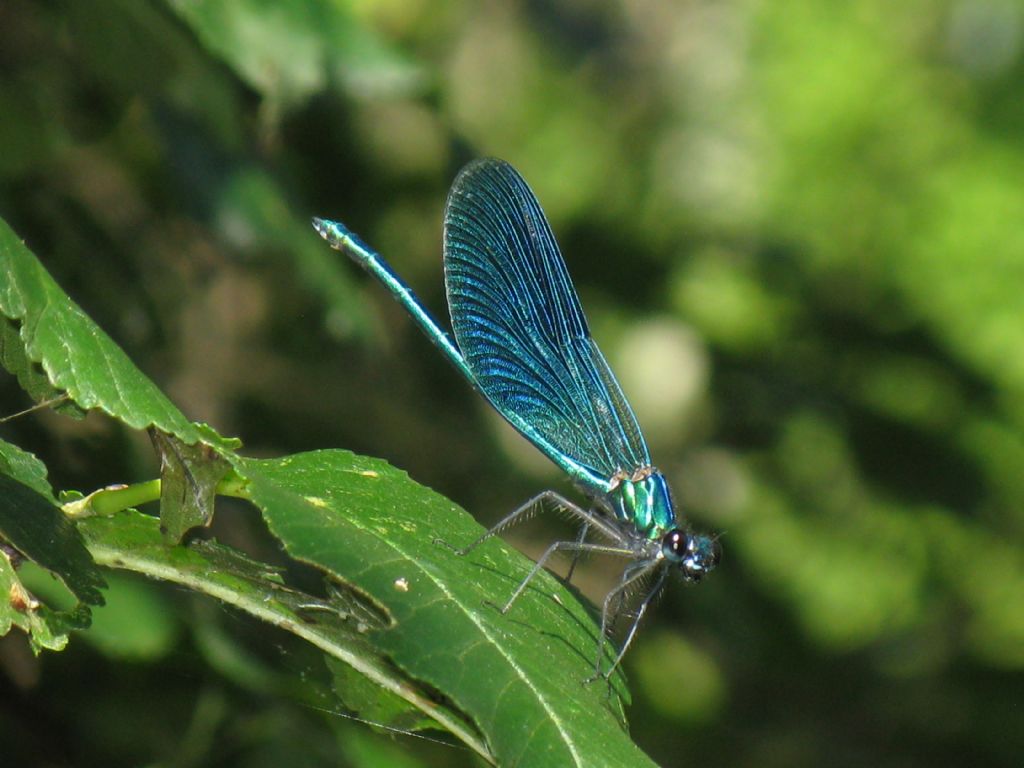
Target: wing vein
[(518, 322)]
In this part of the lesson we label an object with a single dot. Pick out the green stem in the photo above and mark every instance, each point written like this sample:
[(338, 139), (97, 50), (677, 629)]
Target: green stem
[(107, 501), (117, 498), (233, 485)]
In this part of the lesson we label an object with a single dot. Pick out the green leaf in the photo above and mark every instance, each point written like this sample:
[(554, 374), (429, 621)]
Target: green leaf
[(247, 35), (31, 376), (189, 475), (287, 51), (18, 608), (519, 676), (37, 528), (339, 624), (213, 438), (73, 353), (25, 468), (378, 707)]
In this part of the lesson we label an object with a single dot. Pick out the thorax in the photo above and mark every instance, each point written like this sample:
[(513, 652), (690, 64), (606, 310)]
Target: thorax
[(643, 500)]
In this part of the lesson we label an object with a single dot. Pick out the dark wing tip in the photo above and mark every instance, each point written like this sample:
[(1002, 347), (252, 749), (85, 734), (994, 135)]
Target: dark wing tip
[(484, 166)]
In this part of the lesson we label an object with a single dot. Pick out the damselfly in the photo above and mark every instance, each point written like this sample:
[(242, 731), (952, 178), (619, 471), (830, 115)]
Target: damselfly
[(521, 339)]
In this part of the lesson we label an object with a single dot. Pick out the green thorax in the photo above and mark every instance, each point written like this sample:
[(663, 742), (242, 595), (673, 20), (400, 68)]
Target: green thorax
[(644, 500)]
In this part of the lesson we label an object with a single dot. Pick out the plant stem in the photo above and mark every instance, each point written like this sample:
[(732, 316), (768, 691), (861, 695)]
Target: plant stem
[(116, 498)]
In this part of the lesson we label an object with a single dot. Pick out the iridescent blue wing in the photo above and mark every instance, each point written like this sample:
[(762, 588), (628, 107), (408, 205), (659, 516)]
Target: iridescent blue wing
[(519, 325)]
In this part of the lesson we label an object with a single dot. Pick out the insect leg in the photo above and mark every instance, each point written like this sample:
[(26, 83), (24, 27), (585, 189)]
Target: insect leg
[(636, 622), (528, 508), (559, 546), (580, 539), (634, 573)]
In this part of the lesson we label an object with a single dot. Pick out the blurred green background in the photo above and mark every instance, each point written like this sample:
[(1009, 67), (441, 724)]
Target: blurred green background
[(798, 231)]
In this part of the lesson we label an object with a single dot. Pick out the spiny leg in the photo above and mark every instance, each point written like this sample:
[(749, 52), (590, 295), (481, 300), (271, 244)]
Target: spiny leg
[(630, 576), (524, 510), (615, 613), (584, 530), (560, 546), (636, 623), (609, 615)]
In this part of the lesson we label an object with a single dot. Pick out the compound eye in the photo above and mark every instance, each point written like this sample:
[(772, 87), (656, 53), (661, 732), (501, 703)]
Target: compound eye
[(674, 545)]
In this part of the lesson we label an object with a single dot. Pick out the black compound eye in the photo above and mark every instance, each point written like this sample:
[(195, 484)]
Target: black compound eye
[(674, 544)]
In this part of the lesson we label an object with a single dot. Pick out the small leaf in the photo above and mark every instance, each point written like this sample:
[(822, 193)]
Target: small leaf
[(213, 438), (31, 376), (18, 608), (25, 468), (35, 528), (72, 352), (188, 483), (38, 529)]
